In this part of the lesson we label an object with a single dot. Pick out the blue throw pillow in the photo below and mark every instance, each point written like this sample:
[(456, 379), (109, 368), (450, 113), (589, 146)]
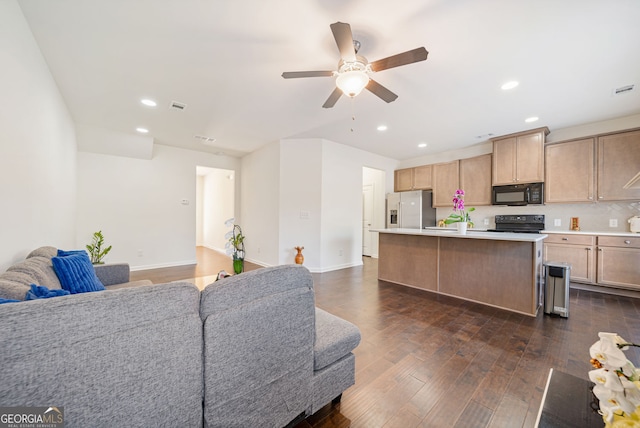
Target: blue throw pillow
[(42, 292), (63, 253), (7, 300), (76, 273)]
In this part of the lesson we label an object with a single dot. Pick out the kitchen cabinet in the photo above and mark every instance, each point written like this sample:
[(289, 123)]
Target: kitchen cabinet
[(578, 250), (418, 178), (570, 171), (475, 180), (618, 162), (446, 180), (519, 158), (619, 261)]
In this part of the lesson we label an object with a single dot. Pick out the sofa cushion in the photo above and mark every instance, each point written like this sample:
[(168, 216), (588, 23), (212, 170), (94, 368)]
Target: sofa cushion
[(76, 273), (335, 338)]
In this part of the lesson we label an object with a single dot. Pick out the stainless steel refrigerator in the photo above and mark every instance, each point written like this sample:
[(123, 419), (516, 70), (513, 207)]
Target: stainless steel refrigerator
[(410, 210)]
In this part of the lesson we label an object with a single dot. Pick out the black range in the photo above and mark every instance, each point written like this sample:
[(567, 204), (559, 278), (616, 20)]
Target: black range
[(519, 223)]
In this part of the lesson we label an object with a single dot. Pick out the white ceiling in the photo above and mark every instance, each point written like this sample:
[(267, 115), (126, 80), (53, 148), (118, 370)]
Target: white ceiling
[(224, 60)]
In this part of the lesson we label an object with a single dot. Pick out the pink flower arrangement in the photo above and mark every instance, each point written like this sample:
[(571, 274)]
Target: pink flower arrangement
[(459, 214)]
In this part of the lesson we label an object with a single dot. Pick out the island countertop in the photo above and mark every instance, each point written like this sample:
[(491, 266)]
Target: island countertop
[(471, 234)]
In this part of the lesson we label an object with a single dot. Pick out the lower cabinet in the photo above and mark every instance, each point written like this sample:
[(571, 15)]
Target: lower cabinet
[(603, 260), (578, 250), (619, 261)]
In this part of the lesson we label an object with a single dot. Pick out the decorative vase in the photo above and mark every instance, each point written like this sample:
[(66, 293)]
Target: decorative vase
[(238, 266), (299, 257), (462, 227)]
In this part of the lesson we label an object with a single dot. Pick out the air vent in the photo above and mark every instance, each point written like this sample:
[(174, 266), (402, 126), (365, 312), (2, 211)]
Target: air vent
[(178, 105), (623, 90), (205, 140)]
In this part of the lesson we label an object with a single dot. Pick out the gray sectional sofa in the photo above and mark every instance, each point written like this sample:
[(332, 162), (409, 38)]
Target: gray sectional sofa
[(249, 350)]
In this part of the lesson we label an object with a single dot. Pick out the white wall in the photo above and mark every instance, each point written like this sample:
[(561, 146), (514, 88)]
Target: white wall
[(138, 206), (260, 196), (300, 205), (37, 147)]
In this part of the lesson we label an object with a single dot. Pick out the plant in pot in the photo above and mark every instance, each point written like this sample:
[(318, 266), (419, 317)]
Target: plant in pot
[(459, 214), (96, 252), (235, 245)]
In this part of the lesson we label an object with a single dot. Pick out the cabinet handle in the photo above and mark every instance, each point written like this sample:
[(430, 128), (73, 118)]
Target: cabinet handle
[(600, 249), (565, 239), (600, 197), (591, 198), (626, 241), (588, 249)]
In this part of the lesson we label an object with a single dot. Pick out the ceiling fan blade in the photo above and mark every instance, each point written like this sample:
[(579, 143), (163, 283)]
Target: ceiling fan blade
[(333, 98), (296, 74), (380, 91), (409, 57), (344, 40)]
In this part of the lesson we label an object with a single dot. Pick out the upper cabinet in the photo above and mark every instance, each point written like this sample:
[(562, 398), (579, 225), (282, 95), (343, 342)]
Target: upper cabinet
[(519, 158), (475, 180), (418, 178), (618, 163), (591, 169), (446, 180), (570, 171)]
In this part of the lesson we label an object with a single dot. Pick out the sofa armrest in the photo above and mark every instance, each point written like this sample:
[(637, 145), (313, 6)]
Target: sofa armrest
[(114, 273)]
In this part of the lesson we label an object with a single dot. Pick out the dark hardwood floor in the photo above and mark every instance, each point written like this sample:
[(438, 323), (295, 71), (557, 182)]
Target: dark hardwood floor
[(433, 361)]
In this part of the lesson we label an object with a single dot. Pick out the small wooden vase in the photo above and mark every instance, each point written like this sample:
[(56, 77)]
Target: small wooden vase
[(299, 257)]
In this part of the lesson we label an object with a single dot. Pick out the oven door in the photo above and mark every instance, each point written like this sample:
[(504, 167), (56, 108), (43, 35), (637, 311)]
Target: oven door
[(515, 194)]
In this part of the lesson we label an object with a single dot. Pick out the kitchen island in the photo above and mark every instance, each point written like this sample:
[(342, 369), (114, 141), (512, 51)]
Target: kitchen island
[(503, 270)]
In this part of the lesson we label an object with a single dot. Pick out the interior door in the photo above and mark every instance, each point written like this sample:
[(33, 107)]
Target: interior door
[(367, 218)]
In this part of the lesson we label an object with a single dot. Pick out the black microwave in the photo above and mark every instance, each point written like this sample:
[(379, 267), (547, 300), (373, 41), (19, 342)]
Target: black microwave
[(518, 194)]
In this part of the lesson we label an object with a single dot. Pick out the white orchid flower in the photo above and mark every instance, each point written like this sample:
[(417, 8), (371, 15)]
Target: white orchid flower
[(608, 379), (608, 353), (615, 338), (228, 235), (229, 222), (612, 401)]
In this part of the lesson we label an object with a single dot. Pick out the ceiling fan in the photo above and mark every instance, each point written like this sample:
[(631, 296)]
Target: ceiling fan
[(353, 74)]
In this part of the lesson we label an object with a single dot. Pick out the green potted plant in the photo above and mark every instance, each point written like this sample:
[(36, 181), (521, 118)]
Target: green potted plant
[(96, 253), (235, 245)]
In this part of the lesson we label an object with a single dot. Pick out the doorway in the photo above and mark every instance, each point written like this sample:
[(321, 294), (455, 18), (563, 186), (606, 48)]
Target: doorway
[(373, 206), (215, 203)]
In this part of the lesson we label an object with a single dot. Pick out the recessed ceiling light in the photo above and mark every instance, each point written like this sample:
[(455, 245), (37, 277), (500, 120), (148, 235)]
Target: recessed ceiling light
[(382, 128), (509, 85), (142, 130), (422, 145), (531, 119), (148, 102)]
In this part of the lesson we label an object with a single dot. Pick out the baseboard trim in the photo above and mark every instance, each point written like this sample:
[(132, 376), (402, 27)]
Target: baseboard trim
[(605, 290), (164, 265)]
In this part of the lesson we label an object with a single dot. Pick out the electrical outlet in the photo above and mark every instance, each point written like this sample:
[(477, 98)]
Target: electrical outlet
[(340, 252), (258, 250), (140, 253), (613, 222), (486, 222), (557, 222)]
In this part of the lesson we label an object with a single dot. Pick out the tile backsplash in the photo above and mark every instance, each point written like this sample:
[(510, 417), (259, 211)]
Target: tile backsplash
[(593, 217)]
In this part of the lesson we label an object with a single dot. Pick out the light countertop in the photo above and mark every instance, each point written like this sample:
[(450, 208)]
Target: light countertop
[(585, 232), (446, 232)]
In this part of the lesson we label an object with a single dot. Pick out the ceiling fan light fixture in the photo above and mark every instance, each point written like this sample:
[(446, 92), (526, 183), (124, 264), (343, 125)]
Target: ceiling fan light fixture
[(351, 83)]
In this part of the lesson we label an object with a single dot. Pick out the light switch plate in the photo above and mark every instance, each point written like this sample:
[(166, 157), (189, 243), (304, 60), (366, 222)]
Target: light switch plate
[(613, 222), (557, 222)]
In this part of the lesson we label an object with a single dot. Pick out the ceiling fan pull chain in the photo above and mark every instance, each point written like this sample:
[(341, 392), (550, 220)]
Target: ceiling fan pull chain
[(353, 113)]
